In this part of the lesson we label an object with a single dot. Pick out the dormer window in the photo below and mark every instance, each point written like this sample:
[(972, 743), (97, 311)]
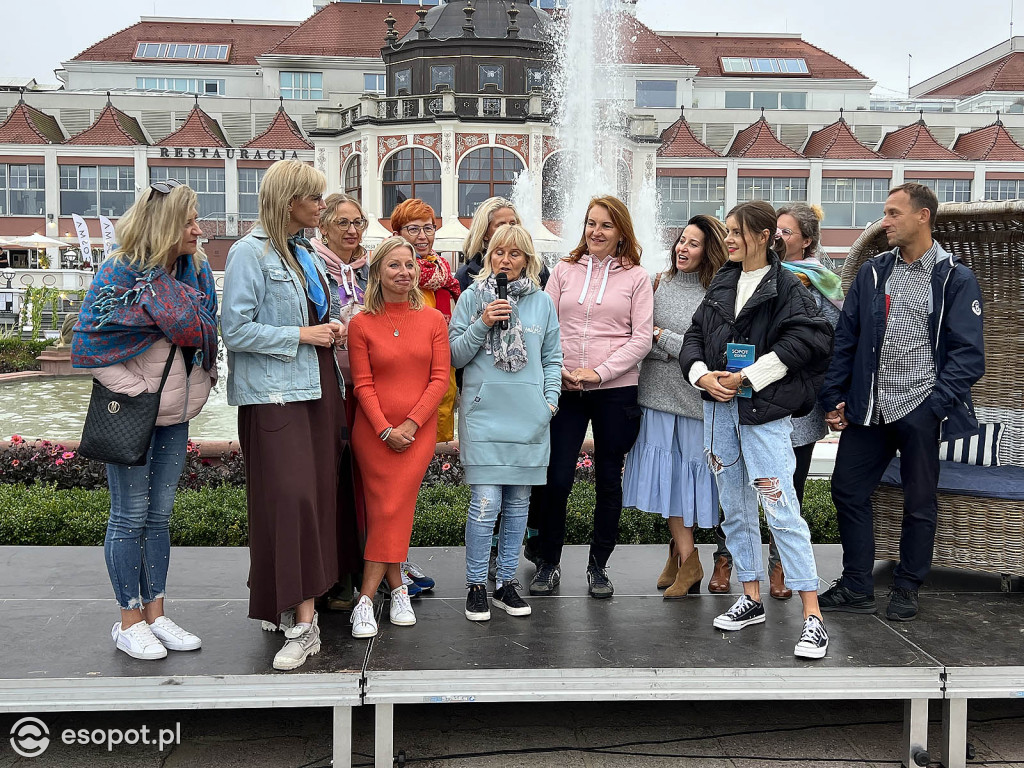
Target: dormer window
[(403, 82), (182, 51), (442, 75), (736, 65), (492, 75), (536, 77)]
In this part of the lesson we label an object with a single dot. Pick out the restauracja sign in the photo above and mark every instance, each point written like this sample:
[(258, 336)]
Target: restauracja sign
[(230, 153)]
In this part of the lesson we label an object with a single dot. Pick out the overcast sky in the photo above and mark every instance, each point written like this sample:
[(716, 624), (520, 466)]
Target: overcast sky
[(874, 36)]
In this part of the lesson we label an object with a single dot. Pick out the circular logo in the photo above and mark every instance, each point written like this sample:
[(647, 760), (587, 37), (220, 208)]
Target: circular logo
[(114, 406), (30, 737), (976, 307)]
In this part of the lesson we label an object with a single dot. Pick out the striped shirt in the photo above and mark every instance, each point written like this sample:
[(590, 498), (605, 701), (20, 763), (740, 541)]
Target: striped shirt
[(906, 367)]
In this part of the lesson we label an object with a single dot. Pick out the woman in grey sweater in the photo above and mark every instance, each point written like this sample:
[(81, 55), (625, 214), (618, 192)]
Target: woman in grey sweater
[(665, 472)]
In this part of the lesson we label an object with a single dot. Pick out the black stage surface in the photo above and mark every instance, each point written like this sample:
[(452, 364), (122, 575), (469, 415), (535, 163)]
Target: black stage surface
[(967, 643)]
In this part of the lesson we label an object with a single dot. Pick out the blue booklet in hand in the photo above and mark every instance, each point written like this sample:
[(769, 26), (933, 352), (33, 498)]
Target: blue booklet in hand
[(738, 357)]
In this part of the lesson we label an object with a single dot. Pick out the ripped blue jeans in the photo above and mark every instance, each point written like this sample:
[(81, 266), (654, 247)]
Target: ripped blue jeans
[(755, 463), (486, 500), (137, 547)]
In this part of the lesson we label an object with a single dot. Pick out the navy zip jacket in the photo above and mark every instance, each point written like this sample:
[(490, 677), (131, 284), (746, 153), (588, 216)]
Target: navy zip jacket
[(955, 327)]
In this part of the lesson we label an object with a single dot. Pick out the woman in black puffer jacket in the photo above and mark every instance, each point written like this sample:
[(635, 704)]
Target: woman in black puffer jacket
[(783, 350)]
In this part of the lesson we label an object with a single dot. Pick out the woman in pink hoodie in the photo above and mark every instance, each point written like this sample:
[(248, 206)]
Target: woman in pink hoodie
[(606, 311)]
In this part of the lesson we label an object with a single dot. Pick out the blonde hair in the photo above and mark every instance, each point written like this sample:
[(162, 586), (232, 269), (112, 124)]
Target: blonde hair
[(517, 237), (333, 202), (149, 232), (374, 298), (285, 181), (482, 219)]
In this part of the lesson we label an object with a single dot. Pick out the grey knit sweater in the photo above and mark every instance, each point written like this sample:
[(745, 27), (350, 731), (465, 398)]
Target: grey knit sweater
[(662, 385)]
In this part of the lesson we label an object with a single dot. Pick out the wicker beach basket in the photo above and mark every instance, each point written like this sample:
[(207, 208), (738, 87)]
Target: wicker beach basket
[(976, 533)]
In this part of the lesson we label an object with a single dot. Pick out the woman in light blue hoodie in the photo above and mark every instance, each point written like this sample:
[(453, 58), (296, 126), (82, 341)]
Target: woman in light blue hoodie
[(510, 388)]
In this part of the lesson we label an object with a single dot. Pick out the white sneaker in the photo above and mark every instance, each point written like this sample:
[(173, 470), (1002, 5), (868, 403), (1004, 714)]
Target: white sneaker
[(287, 621), (300, 643), (401, 607), (138, 641), (363, 623), (173, 637)]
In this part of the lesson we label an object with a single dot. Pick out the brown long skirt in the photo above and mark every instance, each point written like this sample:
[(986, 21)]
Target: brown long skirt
[(302, 517)]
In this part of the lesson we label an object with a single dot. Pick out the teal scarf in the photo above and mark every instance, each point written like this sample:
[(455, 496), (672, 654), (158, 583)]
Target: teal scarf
[(825, 280), (301, 248)]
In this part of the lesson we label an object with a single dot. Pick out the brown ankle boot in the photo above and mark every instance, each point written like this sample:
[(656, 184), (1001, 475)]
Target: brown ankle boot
[(777, 579), (720, 578), (668, 575), (688, 578)]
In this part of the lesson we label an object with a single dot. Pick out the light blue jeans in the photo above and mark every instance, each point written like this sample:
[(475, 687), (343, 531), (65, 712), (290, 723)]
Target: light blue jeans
[(485, 502), (740, 455), (137, 547)]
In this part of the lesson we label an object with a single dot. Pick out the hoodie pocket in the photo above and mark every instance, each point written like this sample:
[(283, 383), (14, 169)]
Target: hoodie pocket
[(507, 412)]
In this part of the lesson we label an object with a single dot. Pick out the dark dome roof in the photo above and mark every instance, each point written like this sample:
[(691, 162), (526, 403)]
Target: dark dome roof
[(491, 21)]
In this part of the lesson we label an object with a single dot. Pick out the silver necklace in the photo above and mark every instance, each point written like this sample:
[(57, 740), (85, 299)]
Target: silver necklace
[(388, 315)]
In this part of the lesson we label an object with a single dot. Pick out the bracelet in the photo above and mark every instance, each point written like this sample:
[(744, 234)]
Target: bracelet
[(386, 434)]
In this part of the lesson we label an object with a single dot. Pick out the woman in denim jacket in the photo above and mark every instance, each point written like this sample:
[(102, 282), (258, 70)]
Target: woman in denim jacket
[(279, 324)]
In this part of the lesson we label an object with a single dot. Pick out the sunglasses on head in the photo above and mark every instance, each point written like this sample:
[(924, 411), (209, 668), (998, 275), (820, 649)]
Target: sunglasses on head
[(164, 187)]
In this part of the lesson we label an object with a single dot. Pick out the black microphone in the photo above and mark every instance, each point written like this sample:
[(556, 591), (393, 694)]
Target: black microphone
[(502, 280)]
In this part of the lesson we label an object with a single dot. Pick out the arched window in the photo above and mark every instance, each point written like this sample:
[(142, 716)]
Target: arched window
[(484, 173), (412, 173), (353, 178)]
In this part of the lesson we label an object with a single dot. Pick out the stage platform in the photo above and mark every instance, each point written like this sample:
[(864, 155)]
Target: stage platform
[(637, 646)]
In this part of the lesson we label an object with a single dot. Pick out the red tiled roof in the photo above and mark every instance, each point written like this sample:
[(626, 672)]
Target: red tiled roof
[(198, 130), (758, 140), (837, 142), (1005, 74), (992, 142), (283, 133), (914, 142), (113, 128), (706, 52), (27, 125), (678, 141), (247, 41), (640, 45), (345, 29)]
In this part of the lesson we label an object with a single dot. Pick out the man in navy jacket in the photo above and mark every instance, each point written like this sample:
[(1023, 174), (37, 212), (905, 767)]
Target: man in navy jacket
[(908, 348)]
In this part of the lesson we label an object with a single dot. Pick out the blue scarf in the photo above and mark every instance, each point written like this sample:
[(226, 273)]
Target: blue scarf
[(300, 248), (126, 311)]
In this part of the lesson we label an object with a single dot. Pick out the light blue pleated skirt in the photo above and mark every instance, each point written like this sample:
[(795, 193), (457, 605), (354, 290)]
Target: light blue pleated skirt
[(666, 473)]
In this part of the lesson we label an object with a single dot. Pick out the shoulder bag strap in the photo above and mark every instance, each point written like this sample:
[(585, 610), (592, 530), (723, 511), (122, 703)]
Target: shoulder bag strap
[(167, 368)]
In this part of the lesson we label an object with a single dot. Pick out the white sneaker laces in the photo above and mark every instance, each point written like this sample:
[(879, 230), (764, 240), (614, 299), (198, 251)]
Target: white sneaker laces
[(740, 607), (813, 631)]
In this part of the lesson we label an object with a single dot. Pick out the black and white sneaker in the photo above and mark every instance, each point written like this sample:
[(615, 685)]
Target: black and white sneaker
[(546, 579), (476, 603), (507, 598), (743, 613), (813, 642)]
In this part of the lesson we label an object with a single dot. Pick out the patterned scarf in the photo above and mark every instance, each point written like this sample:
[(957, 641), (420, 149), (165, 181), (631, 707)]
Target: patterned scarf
[(302, 249), (507, 346), (825, 280), (436, 276), (349, 292), (126, 311)]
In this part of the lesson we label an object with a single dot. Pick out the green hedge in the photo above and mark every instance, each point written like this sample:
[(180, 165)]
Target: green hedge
[(17, 355), (215, 517)]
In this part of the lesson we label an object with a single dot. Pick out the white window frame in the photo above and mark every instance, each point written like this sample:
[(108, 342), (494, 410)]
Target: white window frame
[(302, 86)]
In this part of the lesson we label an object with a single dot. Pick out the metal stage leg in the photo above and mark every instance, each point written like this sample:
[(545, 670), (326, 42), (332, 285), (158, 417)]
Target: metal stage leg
[(384, 736), (954, 733), (915, 731), (342, 737)]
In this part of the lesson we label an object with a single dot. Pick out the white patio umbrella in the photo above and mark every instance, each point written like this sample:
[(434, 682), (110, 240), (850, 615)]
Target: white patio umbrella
[(35, 241)]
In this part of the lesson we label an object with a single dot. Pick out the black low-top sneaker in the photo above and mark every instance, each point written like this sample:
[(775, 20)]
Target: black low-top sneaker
[(903, 604), (813, 642), (600, 586), (507, 598), (744, 612), (476, 603), (840, 598), (545, 580)]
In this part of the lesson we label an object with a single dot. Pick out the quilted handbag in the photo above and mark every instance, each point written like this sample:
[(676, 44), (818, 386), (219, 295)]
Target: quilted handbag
[(118, 427)]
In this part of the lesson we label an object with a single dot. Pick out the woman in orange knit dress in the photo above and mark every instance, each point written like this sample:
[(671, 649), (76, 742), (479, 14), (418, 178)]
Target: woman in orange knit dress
[(398, 350)]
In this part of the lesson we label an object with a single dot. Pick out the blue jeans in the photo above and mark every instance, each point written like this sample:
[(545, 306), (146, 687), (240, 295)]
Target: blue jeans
[(138, 543), (746, 454), (513, 501)]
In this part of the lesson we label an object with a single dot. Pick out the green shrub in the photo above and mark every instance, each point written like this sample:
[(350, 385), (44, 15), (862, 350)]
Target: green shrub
[(17, 355), (47, 515)]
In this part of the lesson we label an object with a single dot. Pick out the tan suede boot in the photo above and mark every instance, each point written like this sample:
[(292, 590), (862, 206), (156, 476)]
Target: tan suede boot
[(668, 575), (687, 579)]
